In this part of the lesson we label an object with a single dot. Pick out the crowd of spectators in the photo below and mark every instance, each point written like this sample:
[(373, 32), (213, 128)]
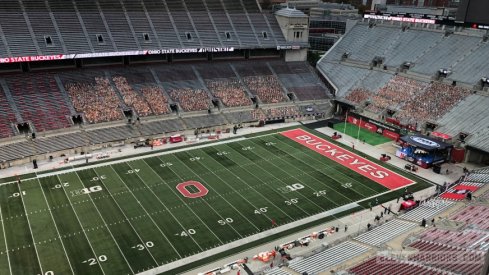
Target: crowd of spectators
[(156, 100), (438, 99), (132, 98), (98, 101), (358, 95), (191, 99), (394, 94), (266, 87), (230, 91)]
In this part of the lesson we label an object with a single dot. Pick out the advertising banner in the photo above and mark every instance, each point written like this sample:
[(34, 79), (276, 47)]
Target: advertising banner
[(373, 125)]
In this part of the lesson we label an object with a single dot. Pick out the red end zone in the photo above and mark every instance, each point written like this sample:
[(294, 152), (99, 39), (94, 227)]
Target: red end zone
[(346, 158)]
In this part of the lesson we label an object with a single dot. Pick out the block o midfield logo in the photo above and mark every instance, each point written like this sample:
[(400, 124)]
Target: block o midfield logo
[(202, 190)]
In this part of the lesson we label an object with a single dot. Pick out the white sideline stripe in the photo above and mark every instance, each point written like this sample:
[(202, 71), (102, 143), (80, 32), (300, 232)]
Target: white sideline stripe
[(74, 169), (5, 239), (246, 240), (79, 222), (314, 170), (30, 228)]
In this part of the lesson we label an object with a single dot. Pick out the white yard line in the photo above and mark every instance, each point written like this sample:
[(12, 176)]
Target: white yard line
[(147, 213), (57, 231), (168, 209), (328, 166), (279, 208), (222, 218), (191, 210), (314, 170), (81, 226), (219, 194), (106, 225), (5, 239), (30, 228), (235, 191), (302, 195), (123, 213)]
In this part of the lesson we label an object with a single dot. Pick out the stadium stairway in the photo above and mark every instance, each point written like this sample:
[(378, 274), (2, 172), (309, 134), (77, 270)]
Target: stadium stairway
[(250, 95), (251, 23), (202, 82), (117, 92), (10, 100), (159, 84), (284, 89), (64, 94)]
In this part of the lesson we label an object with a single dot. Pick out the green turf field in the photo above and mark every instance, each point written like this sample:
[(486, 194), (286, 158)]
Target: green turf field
[(128, 217), (369, 137)]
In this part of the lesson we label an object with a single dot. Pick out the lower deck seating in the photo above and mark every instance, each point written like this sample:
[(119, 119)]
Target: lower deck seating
[(475, 215), (40, 101), (450, 258), (97, 100), (328, 258), (427, 210), (267, 88), (191, 99), (385, 265), (7, 117), (473, 239), (386, 232)]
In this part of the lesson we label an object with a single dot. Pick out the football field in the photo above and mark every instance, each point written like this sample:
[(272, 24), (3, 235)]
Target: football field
[(129, 216)]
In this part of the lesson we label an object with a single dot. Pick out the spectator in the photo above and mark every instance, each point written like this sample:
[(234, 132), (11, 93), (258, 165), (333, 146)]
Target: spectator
[(98, 101), (266, 87), (157, 101), (395, 93), (358, 95), (191, 99), (132, 98), (231, 92), (432, 104)]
